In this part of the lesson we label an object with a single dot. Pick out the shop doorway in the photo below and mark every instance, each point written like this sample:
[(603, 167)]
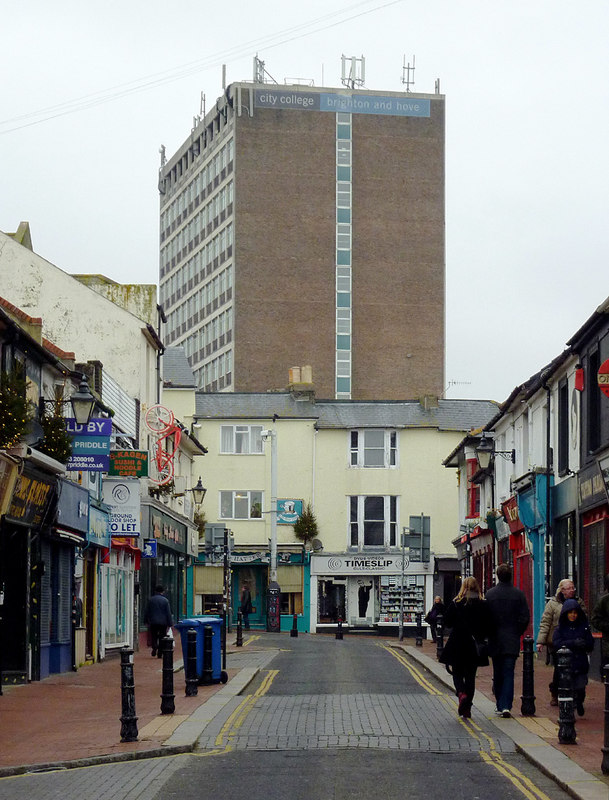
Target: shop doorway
[(256, 579), (361, 606), (331, 599)]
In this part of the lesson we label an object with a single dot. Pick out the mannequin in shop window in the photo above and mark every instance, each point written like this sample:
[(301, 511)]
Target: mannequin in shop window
[(363, 598)]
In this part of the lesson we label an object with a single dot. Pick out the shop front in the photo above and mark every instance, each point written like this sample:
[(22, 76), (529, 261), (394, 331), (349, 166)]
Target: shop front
[(594, 526), (365, 591), (27, 571), (167, 567)]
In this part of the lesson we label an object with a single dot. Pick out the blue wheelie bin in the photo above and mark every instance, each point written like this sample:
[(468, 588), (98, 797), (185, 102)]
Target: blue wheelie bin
[(199, 623)]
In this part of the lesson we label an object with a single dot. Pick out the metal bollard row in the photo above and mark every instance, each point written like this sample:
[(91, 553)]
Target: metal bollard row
[(566, 715), (129, 731), (168, 705), (527, 706), (190, 672), (439, 635), (294, 631), (339, 629)]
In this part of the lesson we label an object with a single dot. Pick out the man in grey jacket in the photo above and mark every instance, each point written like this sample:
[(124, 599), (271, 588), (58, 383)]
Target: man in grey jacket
[(510, 616)]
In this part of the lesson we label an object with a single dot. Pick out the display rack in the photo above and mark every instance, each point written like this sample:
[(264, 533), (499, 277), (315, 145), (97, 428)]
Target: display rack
[(414, 598)]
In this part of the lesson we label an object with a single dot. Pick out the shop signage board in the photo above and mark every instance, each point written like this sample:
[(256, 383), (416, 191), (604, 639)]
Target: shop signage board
[(361, 563), (90, 445), (288, 511), (129, 463), (30, 500), (122, 496)]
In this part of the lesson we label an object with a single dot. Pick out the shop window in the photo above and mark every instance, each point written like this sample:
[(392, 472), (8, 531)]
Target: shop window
[(473, 490), (374, 448), (290, 603), (241, 504), (373, 521)]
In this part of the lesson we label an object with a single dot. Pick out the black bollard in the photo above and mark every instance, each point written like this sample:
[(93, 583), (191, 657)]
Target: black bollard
[(168, 705), (527, 707), (239, 640), (207, 676), (605, 748), (419, 638), (439, 635), (339, 629), (566, 716), (192, 679), (128, 718), (294, 631)]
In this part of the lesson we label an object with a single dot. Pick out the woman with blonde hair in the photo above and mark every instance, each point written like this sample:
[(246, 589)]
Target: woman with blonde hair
[(465, 650)]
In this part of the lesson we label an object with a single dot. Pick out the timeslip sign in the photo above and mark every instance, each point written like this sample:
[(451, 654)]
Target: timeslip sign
[(90, 445)]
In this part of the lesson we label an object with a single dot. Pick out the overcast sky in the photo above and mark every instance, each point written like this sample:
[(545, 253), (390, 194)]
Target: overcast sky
[(527, 140)]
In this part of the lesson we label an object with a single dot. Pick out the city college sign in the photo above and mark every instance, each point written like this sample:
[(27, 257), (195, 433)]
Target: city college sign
[(358, 564)]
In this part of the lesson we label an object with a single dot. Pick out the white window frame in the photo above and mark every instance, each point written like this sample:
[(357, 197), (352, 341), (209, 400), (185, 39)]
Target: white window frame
[(358, 449), (240, 497), (391, 526), (241, 440)]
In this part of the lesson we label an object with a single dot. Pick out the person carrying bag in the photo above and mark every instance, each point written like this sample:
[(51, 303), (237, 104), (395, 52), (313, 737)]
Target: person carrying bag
[(466, 648)]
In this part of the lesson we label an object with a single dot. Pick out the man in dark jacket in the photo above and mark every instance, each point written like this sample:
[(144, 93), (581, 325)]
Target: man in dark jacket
[(158, 618), (510, 616)]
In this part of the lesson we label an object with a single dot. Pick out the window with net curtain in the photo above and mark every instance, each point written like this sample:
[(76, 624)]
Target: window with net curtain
[(241, 439)]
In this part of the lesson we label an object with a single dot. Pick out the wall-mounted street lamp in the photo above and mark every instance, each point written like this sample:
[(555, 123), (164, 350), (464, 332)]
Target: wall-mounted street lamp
[(198, 492), (82, 402), (485, 451)]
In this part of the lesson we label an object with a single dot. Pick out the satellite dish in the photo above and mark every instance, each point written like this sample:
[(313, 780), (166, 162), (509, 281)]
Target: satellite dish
[(317, 545)]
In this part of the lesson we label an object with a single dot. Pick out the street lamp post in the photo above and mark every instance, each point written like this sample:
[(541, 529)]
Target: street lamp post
[(405, 532), (273, 621)]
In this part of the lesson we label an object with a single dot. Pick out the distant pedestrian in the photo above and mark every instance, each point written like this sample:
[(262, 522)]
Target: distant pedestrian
[(600, 621), (510, 616), (573, 632), (431, 618), (158, 618), (246, 605), (468, 617), (547, 626)]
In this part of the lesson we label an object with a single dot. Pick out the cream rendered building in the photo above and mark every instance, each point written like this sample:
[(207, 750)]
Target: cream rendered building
[(368, 469)]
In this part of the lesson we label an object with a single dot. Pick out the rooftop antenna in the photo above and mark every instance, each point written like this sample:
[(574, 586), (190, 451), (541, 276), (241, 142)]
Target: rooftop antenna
[(407, 79), (260, 73), (163, 156), (353, 71), (456, 383), (202, 106)]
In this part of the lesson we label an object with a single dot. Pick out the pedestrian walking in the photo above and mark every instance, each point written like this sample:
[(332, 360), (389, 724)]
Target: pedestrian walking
[(431, 618), (510, 616), (246, 605), (468, 618), (600, 621), (158, 618), (547, 626), (573, 632)]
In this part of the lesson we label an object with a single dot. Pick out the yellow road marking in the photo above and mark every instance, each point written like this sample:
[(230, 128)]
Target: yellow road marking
[(237, 718), (251, 639), (492, 756)]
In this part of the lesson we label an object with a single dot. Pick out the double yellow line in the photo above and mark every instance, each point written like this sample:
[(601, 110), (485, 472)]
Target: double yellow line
[(237, 718), (490, 756)]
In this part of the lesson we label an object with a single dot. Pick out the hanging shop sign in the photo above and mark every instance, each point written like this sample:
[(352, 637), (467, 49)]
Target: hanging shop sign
[(129, 463), (288, 511), (8, 477), (72, 506), (122, 496), (378, 564), (590, 487), (90, 445), (602, 378), (31, 498), (509, 509), (149, 550)]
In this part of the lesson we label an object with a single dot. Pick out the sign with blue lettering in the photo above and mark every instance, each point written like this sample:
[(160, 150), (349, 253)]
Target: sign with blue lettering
[(390, 105), (90, 445)]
